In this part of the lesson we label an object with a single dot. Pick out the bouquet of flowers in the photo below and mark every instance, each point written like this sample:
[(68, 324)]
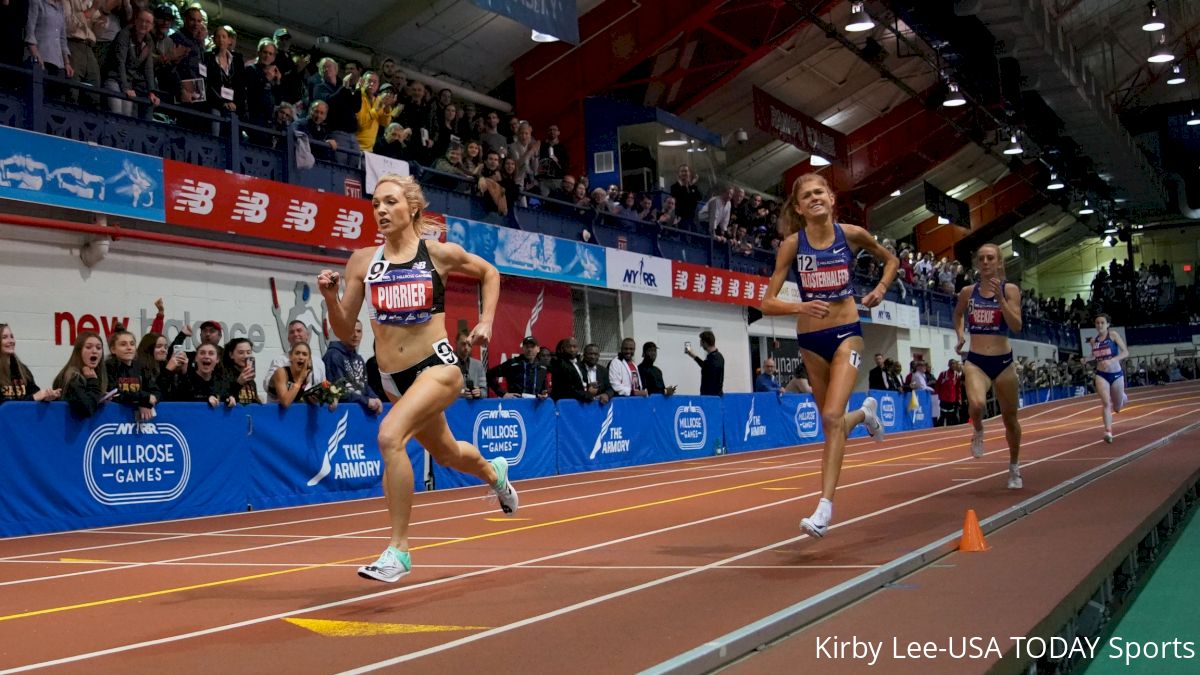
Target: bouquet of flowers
[(325, 392)]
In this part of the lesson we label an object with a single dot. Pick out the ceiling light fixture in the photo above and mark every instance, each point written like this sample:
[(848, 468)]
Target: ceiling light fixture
[(1193, 120), (942, 220), (1013, 147), (1086, 209), (1153, 21), (895, 193), (1176, 75), (954, 97), (1162, 53), (817, 160), (1055, 183), (542, 37), (859, 19)]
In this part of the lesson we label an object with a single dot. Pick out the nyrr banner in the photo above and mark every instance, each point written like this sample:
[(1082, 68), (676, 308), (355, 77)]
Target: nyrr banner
[(48, 170), (593, 436), (684, 426), (527, 307), (530, 254), (520, 430), (638, 273), (221, 201), (305, 455), (109, 470)]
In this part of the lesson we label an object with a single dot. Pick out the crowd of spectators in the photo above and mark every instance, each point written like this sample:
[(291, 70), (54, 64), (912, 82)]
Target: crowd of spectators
[(1145, 295)]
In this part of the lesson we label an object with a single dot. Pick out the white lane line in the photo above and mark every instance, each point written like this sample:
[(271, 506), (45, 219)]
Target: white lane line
[(562, 554), (450, 566)]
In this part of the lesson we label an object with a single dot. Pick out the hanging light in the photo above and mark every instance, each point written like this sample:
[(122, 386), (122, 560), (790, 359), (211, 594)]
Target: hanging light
[(1110, 241), (1193, 120), (1153, 21), (674, 141), (817, 160), (954, 97), (1162, 53), (1055, 183), (942, 220), (1086, 209), (1176, 75), (859, 20), (1013, 147), (895, 193), (542, 37)]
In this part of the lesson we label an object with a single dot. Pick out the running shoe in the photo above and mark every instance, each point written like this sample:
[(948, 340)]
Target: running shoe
[(1014, 478), (977, 444), (392, 565), (816, 524), (505, 492), (871, 420), (1108, 437)]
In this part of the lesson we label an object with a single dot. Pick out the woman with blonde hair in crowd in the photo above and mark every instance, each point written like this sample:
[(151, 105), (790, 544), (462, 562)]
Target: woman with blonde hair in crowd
[(16, 382), (403, 282), (83, 381), (988, 309), (823, 252)]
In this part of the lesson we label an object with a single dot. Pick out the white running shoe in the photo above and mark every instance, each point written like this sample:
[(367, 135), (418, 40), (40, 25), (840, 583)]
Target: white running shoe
[(389, 568), (816, 524), (977, 444), (871, 419), (505, 492), (1014, 478), (1108, 437)]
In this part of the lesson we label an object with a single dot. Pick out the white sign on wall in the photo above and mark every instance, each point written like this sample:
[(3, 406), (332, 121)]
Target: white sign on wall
[(628, 271)]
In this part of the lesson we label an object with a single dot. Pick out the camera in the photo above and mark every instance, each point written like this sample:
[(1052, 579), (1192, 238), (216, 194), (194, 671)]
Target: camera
[(741, 136), (687, 347)]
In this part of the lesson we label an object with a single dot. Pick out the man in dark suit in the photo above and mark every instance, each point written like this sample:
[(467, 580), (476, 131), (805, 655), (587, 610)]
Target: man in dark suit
[(566, 372), (523, 376), (875, 378), (652, 377), (595, 375)]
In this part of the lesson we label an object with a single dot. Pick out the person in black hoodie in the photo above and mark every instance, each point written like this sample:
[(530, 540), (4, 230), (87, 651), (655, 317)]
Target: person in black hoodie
[(16, 382), (134, 387), (566, 373), (343, 362), (165, 363), (83, 380), (204, 384), (238, 365)]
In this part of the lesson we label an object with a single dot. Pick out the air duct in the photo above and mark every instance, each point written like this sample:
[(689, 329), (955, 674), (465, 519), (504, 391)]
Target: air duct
[(219, 11)]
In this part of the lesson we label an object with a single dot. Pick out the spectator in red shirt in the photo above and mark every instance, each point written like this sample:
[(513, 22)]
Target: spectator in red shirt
[(950, 394)]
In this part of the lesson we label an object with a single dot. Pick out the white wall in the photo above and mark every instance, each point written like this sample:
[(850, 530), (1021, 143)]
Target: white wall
[(42, 277), (668, 322)]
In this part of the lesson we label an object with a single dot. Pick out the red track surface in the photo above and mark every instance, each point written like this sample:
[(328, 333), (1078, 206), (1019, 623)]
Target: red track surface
[(606, 572)]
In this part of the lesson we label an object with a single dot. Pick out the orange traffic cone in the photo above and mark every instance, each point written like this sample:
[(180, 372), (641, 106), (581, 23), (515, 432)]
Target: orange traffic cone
[(972, 537)]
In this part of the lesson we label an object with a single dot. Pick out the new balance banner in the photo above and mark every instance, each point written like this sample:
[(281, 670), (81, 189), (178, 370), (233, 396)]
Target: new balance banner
[(520, 430), (685, 426), (305, 454), (254, 207), (699, 282), (593, 436), (58, 472), (49, 170)]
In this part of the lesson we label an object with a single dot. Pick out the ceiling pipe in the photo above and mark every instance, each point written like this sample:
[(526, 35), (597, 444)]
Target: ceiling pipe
[(219, 11)]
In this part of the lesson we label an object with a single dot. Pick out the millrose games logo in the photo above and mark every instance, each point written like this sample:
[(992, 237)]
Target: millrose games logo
[(499, 433), (355, 463), (611, 439), (807, 418), (691, 427), (754, 425), (887, 412), (129, 463)]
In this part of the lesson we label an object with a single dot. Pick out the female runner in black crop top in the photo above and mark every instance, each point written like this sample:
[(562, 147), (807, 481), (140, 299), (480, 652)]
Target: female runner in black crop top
[(412, 350)]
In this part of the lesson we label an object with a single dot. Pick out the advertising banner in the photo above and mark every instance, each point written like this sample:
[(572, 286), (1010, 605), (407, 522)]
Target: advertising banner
[(699, 282), (60, 172), (222, 201), (792, 126), (558, 18), (638, 273), (685, 426), (520, 430), (529, 307), (593, 436), (529, 254)]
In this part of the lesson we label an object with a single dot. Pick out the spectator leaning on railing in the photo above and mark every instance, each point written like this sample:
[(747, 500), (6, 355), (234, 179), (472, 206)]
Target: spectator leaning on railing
[(16, 382), (623, 375), (766, 380), (129, 68), (83, 381)]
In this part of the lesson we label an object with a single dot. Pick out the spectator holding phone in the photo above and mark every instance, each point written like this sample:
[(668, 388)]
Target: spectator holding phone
[(239, 371), (204, 384), (474, 374), (164, 365), (712, 366)]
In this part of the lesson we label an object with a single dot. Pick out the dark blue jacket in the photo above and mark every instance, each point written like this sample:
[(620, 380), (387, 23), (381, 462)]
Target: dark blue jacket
[(341, 362)]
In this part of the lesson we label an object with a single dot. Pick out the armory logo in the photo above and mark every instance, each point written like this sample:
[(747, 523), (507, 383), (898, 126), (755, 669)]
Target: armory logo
[(130, 463), (611, 439), (807, 419), (355, 463), (887, 411), (691, 427), (499, 433), (754, 425)]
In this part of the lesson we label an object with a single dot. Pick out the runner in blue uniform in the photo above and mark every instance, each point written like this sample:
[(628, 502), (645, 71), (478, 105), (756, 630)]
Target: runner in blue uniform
[(990, 308), (402, 282), (822, 252), (1108, 351)]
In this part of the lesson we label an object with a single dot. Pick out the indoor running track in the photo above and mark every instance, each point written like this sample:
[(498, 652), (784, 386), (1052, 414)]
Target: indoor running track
[(611, 571)]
